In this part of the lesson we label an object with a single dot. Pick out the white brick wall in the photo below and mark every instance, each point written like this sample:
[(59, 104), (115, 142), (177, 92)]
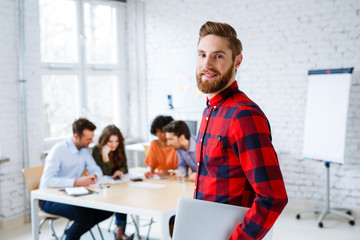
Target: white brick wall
[(12, 186), (282, 40)]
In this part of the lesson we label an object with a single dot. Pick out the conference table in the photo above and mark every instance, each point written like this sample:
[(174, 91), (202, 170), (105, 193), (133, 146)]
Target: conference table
[(156, 198)]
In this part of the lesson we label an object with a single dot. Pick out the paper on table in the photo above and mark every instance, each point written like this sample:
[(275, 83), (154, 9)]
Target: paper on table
[(76, 191), (108, 179), (147, 185), (132, 175), (157, 177)]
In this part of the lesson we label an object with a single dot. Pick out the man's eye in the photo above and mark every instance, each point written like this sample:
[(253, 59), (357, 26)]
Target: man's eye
[(218, 56), (201, 55)]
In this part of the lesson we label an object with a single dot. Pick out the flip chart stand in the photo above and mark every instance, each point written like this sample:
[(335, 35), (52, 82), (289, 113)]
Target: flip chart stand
[(326, 210)]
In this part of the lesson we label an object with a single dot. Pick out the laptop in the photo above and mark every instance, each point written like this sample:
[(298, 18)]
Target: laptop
[(197, 219)]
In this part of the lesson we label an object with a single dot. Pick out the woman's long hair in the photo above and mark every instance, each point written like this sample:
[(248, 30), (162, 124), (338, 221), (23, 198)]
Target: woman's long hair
[(118, 156)]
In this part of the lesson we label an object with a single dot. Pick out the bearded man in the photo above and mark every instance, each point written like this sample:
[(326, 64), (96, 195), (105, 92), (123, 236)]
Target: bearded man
[(237, 163)]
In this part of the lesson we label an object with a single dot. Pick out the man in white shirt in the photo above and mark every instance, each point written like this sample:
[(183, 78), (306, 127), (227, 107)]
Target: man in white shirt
[(64, 166)]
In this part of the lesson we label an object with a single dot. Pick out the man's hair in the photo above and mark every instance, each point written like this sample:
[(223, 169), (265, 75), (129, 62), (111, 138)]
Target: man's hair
[(81, 124), (178, 128), (159, 122), (222, 30)]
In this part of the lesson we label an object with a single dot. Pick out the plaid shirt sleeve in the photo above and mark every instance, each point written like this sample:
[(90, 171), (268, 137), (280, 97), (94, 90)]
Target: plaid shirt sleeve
[(237, 163), (251, 140)]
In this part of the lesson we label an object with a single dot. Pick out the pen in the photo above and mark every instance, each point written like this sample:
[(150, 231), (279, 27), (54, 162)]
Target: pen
[(219, 137)]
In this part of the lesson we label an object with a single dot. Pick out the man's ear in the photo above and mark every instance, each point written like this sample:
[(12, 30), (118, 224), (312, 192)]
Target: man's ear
[(182, 137), (238, 60), (76, 136)]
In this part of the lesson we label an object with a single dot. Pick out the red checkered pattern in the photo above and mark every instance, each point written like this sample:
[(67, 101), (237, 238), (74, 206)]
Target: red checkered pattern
[(237, 163)]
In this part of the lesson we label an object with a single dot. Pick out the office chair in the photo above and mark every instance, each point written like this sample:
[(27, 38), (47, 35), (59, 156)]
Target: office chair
[(146, 149), (32, 177)]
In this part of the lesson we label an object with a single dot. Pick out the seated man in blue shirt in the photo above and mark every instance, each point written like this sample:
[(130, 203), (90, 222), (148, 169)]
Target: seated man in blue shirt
[(178, 136), (64, 166)]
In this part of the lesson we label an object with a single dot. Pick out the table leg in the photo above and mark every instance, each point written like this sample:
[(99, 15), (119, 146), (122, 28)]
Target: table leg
[(164, 228), (35, 218)]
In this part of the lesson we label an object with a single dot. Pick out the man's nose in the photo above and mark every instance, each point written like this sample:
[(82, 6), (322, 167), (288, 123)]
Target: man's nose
[(208, 63)]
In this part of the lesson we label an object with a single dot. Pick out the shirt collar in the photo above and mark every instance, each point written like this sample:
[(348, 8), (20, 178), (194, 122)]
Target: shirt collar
[(73, 149), (219, 98)]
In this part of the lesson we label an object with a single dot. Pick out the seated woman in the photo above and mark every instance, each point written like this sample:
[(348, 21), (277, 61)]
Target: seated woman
[(109, 154), (160, 157)]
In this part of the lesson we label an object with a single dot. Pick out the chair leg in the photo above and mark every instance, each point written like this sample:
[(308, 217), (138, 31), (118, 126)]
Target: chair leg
[(92, 234), (148, 234), (52, 227), (102, 237), (42, 223), (66, 228)]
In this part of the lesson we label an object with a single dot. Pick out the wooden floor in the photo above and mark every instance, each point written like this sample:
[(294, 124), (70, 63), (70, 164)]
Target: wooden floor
[(286, 228)]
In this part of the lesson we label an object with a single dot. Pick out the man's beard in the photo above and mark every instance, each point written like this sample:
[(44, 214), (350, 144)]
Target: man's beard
[(80, 144), (211, 86)]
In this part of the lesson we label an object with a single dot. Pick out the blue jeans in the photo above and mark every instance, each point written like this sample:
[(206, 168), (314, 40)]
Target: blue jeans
[(120, 220), (84, 218)]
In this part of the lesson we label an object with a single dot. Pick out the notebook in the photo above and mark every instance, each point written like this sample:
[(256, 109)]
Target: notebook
[(197, 219), (76, 191)]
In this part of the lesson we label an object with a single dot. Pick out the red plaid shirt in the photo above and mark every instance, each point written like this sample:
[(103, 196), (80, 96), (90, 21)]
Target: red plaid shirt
[(237, 163)]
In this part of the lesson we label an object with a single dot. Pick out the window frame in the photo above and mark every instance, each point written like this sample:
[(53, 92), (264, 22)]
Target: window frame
[(83, 69)]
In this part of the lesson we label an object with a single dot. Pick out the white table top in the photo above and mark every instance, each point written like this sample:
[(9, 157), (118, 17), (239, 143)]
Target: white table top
[(127, 197)]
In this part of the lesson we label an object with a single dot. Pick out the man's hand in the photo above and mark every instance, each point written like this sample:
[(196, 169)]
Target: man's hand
[(85, 180), (192, 176), (163, 173), (118, 175)]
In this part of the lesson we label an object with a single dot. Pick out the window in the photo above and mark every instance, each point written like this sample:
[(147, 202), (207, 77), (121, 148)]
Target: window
[(81, 67), (59, 95)]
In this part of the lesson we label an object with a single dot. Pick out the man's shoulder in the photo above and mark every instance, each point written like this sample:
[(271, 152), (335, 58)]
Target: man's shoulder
[(60, 144), (60, 147), (241, 106)]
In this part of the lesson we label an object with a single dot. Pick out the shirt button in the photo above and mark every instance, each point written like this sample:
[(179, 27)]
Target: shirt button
[(214, 107), (200, 140), (198, 164), (207, 118), (195, 187)]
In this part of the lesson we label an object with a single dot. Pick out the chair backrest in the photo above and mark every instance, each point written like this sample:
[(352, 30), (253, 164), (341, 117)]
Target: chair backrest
[(32, 176), (146, 149)]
